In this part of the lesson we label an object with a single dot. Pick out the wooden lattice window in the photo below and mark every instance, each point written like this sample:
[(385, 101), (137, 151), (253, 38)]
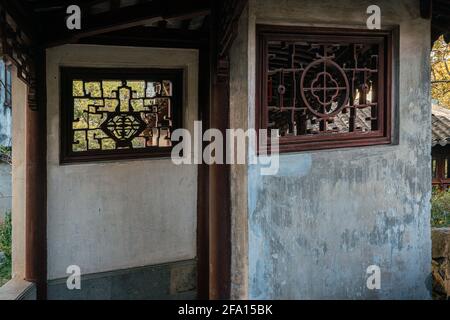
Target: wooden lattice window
[(119, 113), (324, 88)]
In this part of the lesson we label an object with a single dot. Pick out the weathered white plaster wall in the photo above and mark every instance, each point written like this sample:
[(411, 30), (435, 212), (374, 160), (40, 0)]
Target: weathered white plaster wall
[(112, 215), (314, 228)]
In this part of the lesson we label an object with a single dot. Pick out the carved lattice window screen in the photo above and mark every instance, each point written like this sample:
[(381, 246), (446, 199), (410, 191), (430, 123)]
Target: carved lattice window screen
[(323, 88), (115, 113)]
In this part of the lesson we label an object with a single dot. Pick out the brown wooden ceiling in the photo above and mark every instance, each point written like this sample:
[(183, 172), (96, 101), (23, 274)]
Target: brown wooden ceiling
[(181, 20), (94, 9), (440, 19)]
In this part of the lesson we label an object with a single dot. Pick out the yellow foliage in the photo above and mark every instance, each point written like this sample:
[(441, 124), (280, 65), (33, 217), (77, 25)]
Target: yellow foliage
[(440, 72)]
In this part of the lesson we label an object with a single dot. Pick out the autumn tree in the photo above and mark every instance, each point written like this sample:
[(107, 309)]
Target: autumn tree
[(440, 72)]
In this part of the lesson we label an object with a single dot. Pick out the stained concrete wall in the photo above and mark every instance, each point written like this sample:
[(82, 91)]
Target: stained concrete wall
[(315, 227), (105, 216)]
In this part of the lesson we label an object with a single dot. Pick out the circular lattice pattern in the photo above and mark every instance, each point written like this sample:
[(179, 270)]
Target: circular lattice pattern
[(325, 93)]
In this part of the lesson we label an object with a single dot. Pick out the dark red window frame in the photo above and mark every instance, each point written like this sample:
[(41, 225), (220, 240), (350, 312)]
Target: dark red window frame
[(294, 143), (70, 74)]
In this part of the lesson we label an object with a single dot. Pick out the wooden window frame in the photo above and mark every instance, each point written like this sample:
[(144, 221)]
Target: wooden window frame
[(68, 74), (265, 33)]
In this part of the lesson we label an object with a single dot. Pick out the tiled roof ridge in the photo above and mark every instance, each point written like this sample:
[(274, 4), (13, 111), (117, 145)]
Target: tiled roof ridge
[(440, 125)]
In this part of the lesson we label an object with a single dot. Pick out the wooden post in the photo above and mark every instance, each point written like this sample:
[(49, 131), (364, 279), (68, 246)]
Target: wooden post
[(224, 28), (220, 220), (203, 178), (36, 185)]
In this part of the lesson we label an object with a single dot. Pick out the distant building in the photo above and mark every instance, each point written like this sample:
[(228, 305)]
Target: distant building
[(5, 138), (5, 104), (440, 146)]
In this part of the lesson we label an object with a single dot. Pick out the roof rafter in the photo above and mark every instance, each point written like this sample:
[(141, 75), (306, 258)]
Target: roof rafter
[(151, 36), (125, 18)]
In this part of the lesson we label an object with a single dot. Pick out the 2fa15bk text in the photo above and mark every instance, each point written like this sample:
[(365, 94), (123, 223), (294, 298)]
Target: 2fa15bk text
[(253, 309)]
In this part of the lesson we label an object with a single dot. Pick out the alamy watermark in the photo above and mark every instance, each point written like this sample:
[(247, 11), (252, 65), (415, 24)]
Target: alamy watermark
[(73, 20), (374, 20), (374, 279), (73, 281), (189, 149)]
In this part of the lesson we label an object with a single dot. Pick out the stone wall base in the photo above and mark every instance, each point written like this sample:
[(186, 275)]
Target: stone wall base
[(441, 263), (177, 280)]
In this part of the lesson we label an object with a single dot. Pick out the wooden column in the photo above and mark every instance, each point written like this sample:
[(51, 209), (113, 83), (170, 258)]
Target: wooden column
[(220, 220), (219, 197), (203, 178), (224, 28), (36, 185), (219, 183)]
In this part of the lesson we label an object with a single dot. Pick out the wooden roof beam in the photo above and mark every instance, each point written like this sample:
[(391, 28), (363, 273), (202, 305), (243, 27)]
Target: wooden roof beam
[(45, 4), (23, 18), (126, 18), (151, 36)]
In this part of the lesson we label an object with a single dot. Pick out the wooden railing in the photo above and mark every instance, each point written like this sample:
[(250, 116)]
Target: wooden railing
[(442, 184)]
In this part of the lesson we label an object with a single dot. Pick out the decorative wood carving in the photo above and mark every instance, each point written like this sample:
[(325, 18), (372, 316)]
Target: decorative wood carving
[(322, 87), (16, 48), (114, 113)]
